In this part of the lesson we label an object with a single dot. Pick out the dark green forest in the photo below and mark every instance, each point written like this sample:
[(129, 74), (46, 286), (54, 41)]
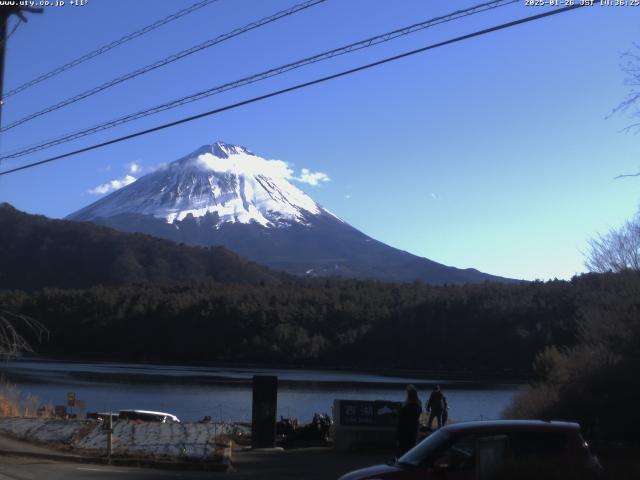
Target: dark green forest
[(492, 328)]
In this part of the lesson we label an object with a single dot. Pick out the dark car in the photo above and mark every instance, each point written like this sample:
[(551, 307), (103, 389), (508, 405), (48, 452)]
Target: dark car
[(478, 450)]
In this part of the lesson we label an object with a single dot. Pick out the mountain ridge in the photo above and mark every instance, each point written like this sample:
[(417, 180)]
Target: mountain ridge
[(38, 252), (223, 194)]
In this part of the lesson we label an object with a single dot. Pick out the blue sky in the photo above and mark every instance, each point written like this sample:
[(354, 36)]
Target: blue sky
[(494, 153)]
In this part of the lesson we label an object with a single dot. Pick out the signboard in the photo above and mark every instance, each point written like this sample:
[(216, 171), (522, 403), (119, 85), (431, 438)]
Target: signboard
[(81, 404), (71, 399), (378, 413)]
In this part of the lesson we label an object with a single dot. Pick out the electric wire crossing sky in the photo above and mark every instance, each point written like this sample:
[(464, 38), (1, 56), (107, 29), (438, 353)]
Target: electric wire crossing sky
[(269, 73)]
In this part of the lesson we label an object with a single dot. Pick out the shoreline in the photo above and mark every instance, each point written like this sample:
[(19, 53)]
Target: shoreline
[(475, 378), (284, 384), (193, 393)]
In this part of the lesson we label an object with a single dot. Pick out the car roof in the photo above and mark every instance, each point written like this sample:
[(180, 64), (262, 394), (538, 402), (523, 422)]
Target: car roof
[(496, 426)]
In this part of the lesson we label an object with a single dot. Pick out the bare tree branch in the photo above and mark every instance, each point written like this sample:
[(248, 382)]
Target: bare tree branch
[(627, 175), (12, 342), (630, 66), (616, 251)]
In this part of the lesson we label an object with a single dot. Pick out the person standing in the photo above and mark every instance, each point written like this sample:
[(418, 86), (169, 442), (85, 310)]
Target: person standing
[(436, 407), (408, 421), (445, 412)]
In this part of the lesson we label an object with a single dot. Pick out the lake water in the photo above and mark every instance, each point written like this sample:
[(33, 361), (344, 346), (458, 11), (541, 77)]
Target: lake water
[(191, 392)]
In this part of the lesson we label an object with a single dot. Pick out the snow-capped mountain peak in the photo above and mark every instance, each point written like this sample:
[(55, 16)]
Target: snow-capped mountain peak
[(223, 194), (218, 179), (221, 149)]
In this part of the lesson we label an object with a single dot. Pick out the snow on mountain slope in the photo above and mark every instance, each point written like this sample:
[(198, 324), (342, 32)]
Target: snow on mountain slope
[(225, 195), (228, 180)]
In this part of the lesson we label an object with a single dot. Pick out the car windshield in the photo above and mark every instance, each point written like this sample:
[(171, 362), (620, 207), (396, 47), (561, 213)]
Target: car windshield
[(425, 449)]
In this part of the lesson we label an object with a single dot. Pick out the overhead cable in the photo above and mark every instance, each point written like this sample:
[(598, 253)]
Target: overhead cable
[(107, 47), (165, 61), (299, 86), (369, 42)]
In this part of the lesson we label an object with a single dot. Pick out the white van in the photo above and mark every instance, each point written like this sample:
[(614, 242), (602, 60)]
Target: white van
[(147, 416)]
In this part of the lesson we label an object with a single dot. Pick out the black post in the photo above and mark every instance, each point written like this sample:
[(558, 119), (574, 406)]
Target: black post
[(109, 435), (263, 414), (5, 13), (4, 20)]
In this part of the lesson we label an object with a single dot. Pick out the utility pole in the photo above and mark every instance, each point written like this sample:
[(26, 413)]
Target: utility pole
[(5, 13)]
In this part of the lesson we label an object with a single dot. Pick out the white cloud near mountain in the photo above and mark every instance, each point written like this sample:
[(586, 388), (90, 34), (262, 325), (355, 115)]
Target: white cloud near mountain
[(241, 164), (134, 167), (246, 164), (113, 185), (312, 178)]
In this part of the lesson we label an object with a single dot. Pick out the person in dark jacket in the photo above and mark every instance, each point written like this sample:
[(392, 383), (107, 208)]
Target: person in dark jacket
[(436, 407), (408, 421), (445, 412)]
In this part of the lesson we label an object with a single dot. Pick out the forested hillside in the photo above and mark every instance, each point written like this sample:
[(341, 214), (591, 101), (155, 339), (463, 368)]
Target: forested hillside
[(487, 327), (37, 252)]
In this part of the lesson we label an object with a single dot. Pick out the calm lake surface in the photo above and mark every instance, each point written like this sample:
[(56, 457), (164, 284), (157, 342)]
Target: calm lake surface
[(191, 392)]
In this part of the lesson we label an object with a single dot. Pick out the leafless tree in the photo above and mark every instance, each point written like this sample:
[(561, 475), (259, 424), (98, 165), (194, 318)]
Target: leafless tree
[(630, 66), (12, 341), (616, 251)]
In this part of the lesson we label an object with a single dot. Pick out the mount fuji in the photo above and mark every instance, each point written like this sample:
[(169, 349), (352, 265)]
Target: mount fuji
[(223, 194)]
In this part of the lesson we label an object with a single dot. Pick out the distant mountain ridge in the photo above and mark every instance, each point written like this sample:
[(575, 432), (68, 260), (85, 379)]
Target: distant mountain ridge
[(38, 252), (223, 194)]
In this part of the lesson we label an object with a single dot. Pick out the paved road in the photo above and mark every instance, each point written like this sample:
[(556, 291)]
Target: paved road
[(17, 468), (11, 445), (310, 464)]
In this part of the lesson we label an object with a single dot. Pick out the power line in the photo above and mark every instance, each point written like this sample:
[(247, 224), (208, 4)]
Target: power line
[(166, 61), (369, 42), (299, 86), (109, 46)]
